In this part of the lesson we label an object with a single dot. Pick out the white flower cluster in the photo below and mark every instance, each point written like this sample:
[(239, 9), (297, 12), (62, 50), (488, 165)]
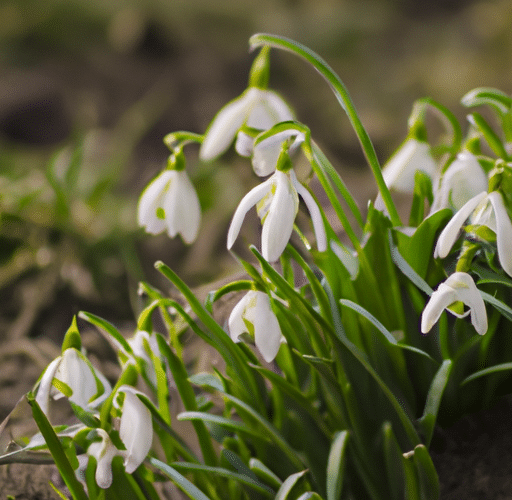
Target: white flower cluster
[(463, 188), (71, 375)]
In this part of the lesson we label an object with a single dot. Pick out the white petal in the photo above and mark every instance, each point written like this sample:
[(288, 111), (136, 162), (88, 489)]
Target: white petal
[(463, 180), (450, 233), (76, 373), (225, 125), (267, 333), (248, 201), (458, 287), (136, 429), (266, 152), (439, 301), (236, 324), (152, 199), (504, 231), (45, 385), (314, 211), (269, 109), (468, 293), (401, 168), (278, 225), (182, 208), (244, 144), (104, 451)]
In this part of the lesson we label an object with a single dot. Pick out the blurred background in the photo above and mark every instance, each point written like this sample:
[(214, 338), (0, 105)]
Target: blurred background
[(88, 89)]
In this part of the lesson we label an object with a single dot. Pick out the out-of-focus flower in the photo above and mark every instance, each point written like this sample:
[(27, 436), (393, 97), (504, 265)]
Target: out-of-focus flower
[(458, 287), (136, 433), (277, 204), (254, 315), (401, 168), (140, 343), (73, 376), (266, 152), (256, 108), (482, 210), (463, 180), (170, 203)]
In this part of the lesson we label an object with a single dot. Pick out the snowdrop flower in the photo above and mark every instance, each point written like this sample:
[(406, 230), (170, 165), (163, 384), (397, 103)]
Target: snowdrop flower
[(401, 168), (87, 385), (463, 180), (482, 210), (277, 203), (136, 429), (254, 315), (256, 108), (136, 433), (458, 287), (138, 345), (266, 152), (170, 203)]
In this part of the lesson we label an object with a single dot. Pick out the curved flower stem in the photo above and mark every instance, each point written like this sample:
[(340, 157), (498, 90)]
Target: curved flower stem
[(446, 117), (344, 99)]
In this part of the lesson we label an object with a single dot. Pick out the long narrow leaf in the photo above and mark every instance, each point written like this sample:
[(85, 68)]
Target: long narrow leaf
[(385, 332), (228, 474), (231, 425), (487, 371), (336, 465), (435, 394), (288, 484), (187, 395), (269, 429), (193, 492), (57, 450)]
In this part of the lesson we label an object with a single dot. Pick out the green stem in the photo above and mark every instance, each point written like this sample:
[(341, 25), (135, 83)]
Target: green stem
[(341, 93)]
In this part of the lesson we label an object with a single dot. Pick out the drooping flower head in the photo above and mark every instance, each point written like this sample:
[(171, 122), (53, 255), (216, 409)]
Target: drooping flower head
[(277, 198), (459, 287), (170, 203), (484, 209), (136, 433), (463, 180), (277, 204), (71, 375), (400, 170), (257, 108), (254, 315)]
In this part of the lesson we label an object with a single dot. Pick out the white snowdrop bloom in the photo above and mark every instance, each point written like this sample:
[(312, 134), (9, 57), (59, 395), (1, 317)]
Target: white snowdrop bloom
[(136, 433), (256, 108), (401, 168), (170, 203), (482, 210), (458, 287), (136, 429), (463, 180), (87, 385), (266, 152), (254, 315), (277, 204)]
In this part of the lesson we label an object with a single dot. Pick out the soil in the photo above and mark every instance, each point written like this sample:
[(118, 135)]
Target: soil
[(473, 457)]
